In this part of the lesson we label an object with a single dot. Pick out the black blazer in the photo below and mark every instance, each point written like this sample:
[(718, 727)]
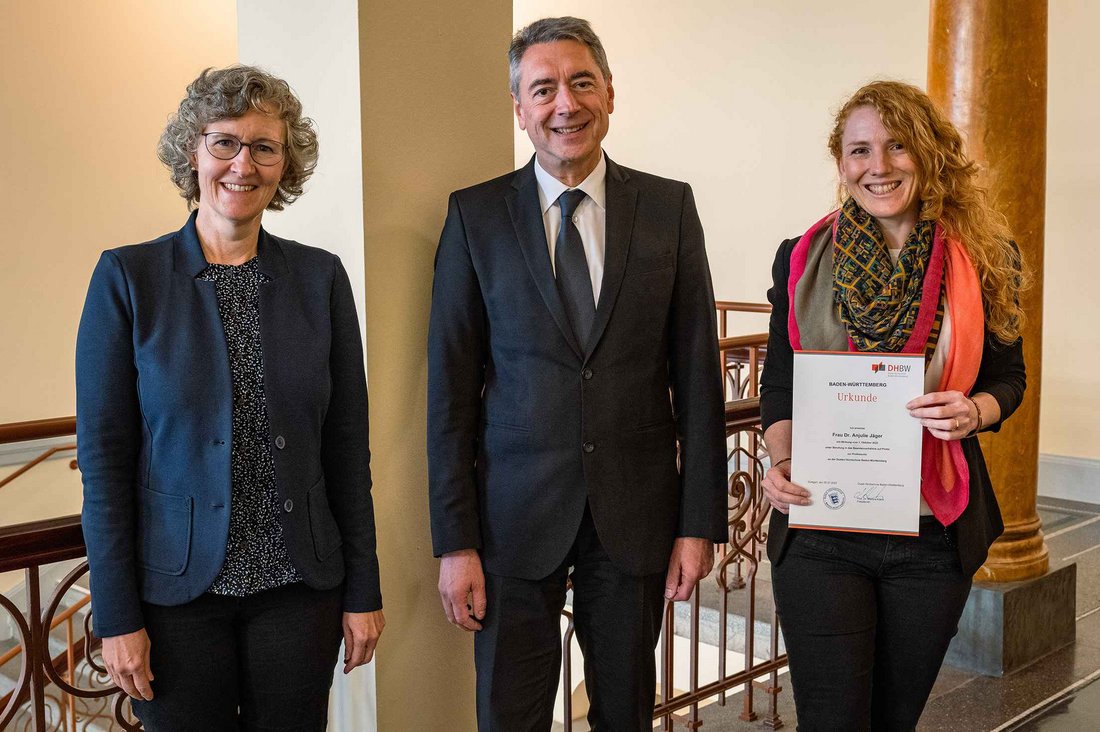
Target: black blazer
[(1001, 375), (154, 425), (525, 424)]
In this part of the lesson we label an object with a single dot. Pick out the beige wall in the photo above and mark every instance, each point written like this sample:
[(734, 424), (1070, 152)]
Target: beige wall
[(86, 88), (435, 118), (1070, 418), (735, 97)]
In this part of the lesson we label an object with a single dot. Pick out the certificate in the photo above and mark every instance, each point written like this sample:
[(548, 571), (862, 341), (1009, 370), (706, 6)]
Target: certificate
[(854, 446)]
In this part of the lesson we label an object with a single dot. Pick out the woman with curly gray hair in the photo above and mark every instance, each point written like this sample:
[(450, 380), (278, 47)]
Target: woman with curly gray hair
[(222, 430)]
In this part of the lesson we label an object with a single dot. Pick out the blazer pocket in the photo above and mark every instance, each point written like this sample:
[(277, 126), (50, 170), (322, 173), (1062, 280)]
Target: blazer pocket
[(164, 532), (322, 524), (651, 264), (653, 433)]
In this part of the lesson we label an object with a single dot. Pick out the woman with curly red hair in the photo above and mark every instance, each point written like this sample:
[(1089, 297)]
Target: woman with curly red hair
[(915, 260)]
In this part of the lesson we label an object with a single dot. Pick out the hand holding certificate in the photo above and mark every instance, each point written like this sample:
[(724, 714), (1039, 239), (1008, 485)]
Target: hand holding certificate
[(854, 446)]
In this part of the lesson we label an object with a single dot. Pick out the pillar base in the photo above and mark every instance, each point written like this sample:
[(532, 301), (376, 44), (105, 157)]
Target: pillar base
[(1006, 626), (1019, 554)]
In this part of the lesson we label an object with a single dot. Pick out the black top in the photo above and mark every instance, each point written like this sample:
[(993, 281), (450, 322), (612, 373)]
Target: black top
[(256, 557)]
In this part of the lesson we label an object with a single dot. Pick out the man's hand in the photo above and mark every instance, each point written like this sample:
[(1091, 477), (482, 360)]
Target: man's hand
[(127, 660), (462, 588), (361, 633), (691, 560)]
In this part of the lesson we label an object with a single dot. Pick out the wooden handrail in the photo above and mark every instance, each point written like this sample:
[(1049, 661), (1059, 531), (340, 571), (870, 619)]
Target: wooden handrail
[(40, 542), (742, 341), (742, 414), (40, 459), (743, 307), (37, 429)]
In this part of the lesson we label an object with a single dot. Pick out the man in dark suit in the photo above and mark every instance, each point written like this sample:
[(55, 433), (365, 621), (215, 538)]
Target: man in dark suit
[(572, 344)]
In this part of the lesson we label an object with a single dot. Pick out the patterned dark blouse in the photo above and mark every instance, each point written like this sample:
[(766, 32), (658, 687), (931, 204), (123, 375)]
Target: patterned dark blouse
[(256, 558)]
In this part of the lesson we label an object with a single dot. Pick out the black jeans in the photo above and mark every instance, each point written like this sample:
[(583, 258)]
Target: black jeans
[(518, 651), (262, 662), (867, 619)]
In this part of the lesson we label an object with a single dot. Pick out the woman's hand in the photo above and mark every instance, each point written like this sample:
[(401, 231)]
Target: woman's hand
[(361, 633), (948, 415), (780, 491), (127, 660)]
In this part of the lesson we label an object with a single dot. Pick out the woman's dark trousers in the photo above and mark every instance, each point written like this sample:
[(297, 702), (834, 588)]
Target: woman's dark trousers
[(867, 619), (262, 662)]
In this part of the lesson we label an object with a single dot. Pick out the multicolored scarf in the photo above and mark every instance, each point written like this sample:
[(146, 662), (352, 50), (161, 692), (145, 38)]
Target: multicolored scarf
[(879, 302), (815, 323)]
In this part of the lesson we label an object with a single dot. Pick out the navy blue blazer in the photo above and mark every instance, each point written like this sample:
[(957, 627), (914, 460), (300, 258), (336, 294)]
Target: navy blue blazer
[(526, 426), (154, 425)]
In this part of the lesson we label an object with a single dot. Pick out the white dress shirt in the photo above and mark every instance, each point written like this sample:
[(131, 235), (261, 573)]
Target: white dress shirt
[(590, 217)]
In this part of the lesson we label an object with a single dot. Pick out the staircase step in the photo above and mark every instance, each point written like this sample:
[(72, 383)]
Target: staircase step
[(710, 623)]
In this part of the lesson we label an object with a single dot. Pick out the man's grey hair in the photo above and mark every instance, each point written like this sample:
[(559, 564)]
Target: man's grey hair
[(549, 30)]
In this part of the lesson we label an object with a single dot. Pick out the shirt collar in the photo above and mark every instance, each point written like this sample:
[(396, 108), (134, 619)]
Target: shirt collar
[(550, 187)]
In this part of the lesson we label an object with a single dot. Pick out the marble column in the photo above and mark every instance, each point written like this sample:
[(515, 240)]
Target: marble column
[(987, 68)]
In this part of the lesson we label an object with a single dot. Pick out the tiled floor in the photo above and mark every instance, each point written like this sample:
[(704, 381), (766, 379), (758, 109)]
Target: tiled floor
[(1058, 692), (1077, 710)]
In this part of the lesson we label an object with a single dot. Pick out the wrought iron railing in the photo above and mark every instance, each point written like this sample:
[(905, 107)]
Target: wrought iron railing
[(735, 572), (68, 689)]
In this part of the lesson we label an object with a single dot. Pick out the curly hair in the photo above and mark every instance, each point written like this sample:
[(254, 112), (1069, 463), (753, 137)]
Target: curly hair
[(228, 93), (950, 193)]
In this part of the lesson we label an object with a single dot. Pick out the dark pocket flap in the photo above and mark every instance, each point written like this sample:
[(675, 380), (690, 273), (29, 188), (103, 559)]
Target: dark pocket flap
[(164, 532), (651, 264)]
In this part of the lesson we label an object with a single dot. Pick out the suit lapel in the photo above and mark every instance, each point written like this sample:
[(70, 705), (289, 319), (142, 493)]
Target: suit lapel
[(523, 207), (622, 197)]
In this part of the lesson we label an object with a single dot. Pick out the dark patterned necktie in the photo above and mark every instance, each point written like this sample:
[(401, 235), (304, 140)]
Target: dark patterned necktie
[(571, 269)]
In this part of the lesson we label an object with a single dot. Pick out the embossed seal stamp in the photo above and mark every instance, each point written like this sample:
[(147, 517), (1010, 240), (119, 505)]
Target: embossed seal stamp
[(833, 498)]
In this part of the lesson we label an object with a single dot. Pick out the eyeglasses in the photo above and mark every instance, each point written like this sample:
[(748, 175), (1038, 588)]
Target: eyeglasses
[(224, 146)]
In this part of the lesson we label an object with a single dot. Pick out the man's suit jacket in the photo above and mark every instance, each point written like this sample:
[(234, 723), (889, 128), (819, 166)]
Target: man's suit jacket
[(154, 425), (525, 424)]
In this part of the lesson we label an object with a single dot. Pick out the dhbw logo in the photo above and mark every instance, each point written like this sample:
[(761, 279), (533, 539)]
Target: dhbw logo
[(894, 367)]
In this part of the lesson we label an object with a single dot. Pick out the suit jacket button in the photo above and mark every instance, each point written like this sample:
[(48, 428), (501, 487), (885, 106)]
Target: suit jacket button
[(288, 506), (589, 447), (586, 374), (280, 443)]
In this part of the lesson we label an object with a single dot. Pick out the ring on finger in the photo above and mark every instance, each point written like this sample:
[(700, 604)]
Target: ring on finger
[(956, 424)]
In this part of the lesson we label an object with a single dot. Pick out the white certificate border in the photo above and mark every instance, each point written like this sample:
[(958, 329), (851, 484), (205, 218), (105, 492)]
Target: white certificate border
[(869, 354)]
